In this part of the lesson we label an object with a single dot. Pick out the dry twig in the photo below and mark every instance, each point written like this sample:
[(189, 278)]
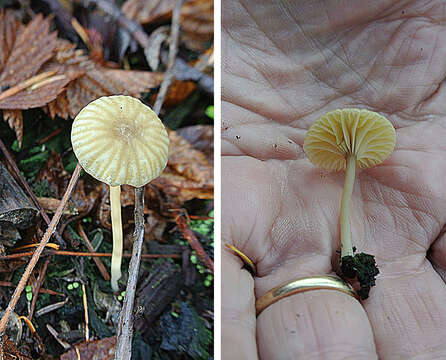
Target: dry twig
[(32, 263), (123, 349), (193, 241), (98, 262), (36, 291)]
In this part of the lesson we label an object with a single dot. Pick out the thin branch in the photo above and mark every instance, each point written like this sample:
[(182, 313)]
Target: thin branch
[(123, 349), (98, 262), (32, 263), (36, 291), (193, 241), (33, 197), (173, 48)]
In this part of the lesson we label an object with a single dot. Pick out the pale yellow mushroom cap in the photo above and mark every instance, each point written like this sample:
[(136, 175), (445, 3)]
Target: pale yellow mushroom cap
[(340, 133), (119, 140)]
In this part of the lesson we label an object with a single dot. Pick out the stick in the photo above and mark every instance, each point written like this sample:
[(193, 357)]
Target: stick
[(40, 280), (173, 48), (123, 350), (98, 262), (84, 300), (193, 241), (32, 263), (33, 197)]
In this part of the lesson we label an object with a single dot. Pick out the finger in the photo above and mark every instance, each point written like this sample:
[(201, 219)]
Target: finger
[(238, 321), (318, 324), (406, 310)]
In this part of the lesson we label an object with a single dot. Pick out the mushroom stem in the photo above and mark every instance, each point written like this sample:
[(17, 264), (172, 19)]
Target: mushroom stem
[(115, 203), (346, 236)]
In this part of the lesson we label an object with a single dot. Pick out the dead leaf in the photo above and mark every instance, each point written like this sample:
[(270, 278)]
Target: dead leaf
[(53, 171), (201, 137), (32, 46), (99, 82), (179, 91), (103, 349), (154, 226), (197, 24), (188, 174), (14, 118), (23, 51), (148, 11), (27, 51), (59, 107), (50, 205), (197, 18), (156, 39)]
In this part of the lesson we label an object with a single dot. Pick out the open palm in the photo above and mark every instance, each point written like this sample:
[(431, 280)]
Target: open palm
[(284, 65)]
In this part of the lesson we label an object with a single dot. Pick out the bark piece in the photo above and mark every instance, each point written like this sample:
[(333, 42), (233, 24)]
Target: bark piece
[(156, 292), (15, 207)]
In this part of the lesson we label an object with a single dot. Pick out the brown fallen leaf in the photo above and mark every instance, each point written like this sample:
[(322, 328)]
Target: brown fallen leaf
[(26, 47), (201, 137), (14, 118), (26, 83), (197, 24), (51, 205), (188, 174), (96, 81), (99, 82), (146, 12), (103, 349), (39, 70), (178, 91), (53, 172)]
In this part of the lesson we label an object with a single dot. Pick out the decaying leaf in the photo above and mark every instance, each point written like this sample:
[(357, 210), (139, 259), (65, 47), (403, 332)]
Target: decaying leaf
[(197, 18), (99, 82), (188, 174), (197, 23), (25, 52), (55, 175), (103, 349), (179, 91), (14, 118), (50, 205), (39, 70), (201, 138), (147, 11)]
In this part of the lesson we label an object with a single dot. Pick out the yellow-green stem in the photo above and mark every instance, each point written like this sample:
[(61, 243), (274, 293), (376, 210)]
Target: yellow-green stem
[(115, 203), (346, 235)]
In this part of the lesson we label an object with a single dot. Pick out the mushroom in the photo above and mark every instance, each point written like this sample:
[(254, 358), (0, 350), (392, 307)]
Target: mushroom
[(342, 140), (119, 140)]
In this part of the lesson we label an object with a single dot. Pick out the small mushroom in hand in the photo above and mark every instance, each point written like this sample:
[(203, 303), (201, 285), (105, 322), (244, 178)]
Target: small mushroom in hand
[(119, 140), (342, 140)]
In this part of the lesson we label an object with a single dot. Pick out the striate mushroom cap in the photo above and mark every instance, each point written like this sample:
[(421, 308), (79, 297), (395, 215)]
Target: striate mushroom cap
[(119, 140), (338, 134)]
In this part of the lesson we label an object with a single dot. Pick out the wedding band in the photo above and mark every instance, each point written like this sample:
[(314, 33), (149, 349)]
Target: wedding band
[(327, 282)]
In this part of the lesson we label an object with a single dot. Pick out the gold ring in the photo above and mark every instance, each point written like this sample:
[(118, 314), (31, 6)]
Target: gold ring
[(327, 282)]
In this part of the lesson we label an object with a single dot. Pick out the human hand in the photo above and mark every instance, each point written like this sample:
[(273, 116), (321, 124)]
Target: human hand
[(284, 65)]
